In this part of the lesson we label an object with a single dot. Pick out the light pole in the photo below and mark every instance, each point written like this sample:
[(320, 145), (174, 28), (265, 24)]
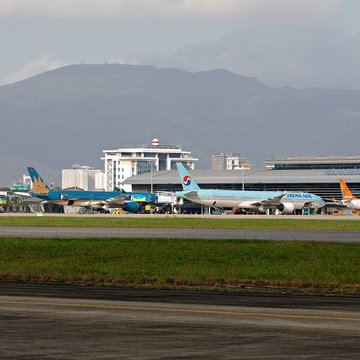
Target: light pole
[(243, 177), (151, 176), (151, 161)]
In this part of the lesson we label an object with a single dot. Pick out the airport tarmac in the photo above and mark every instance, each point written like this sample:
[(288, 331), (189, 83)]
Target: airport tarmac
[(214, 234), (60, 328), (189, 216)]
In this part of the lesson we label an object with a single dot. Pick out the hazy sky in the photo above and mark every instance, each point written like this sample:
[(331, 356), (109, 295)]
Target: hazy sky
[(300, 43)]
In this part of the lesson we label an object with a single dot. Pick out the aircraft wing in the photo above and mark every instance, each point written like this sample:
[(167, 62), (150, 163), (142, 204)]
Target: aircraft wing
[(333, 201), (192, 193), (19, 193), (118, 200), (274, 201)]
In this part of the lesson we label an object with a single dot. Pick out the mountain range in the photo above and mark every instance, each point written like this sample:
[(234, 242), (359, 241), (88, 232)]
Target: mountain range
[(69, 115)]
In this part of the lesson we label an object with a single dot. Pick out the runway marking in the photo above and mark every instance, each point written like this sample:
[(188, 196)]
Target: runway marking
[(181, 310)]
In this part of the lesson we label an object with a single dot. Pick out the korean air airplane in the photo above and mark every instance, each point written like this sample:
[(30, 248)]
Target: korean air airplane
[(96, 199), (259, 201), (348, 199)]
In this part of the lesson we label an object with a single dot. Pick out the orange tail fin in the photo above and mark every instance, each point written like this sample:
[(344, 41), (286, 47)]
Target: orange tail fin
[(346, 193)]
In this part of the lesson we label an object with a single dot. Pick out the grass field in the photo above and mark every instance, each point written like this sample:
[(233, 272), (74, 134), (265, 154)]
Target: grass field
[(190, 223), (183, 263)]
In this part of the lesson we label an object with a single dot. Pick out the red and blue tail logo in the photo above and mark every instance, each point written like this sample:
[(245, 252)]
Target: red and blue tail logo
[(186, 180)]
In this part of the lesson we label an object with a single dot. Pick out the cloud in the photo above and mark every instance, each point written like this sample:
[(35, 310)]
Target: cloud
[(33, 68), (289, 9), (295, 56), (124, 9)]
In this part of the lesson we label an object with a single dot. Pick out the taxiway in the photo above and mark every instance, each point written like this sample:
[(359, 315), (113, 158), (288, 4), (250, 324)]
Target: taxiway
[(215, 234)]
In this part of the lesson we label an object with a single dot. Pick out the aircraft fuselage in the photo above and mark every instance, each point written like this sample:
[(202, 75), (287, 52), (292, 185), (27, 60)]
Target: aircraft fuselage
[(249, 199)]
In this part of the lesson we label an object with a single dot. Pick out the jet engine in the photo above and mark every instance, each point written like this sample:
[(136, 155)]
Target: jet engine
[(131, 206), (287, 208)]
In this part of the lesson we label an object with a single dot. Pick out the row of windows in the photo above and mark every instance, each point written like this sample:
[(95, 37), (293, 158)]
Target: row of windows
[(315, 166), (151, 155)]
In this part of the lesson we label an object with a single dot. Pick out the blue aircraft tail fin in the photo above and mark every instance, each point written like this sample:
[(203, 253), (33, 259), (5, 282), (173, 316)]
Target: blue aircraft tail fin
[(188, 184), (38, 184)]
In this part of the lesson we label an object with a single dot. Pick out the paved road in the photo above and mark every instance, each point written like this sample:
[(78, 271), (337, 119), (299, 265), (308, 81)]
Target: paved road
[(58, 328), (254, 297), (82, 232)]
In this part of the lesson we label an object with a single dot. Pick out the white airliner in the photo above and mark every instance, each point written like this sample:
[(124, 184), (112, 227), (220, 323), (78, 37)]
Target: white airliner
[(260, 201), (348, 199)]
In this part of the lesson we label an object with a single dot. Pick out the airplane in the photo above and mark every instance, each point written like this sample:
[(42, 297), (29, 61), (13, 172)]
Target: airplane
[(348, 199), (260, 201), (128, 201)]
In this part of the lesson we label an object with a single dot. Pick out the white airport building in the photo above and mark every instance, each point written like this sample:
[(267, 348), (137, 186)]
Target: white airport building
[(226, 161), (123, 163), (82, 177)]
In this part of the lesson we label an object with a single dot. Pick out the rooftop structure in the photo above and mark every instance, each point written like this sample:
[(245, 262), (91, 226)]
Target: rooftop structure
[(315, 162), (123, 163)]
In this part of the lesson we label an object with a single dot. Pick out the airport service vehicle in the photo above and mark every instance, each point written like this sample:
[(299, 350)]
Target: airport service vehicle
[(128, 201), (259, 201), (348, 199)]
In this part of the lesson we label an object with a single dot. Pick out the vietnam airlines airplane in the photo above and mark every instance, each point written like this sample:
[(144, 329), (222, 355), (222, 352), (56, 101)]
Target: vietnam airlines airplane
[(96, 199), (348, 199), (259, 201)]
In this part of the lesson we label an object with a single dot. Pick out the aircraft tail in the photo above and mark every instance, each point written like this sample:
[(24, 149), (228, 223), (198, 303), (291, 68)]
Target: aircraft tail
[(188, 184), (38, 184), (346, 193)]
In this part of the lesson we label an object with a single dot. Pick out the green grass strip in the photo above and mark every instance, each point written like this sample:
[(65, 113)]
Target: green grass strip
[(189, 223), (179, 263)]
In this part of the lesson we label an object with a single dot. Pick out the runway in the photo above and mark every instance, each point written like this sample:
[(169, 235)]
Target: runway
[(214, 234), (64, 328)]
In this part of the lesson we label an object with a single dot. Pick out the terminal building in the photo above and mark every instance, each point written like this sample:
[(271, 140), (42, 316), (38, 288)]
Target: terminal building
[(319, 175), (121, 164)]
